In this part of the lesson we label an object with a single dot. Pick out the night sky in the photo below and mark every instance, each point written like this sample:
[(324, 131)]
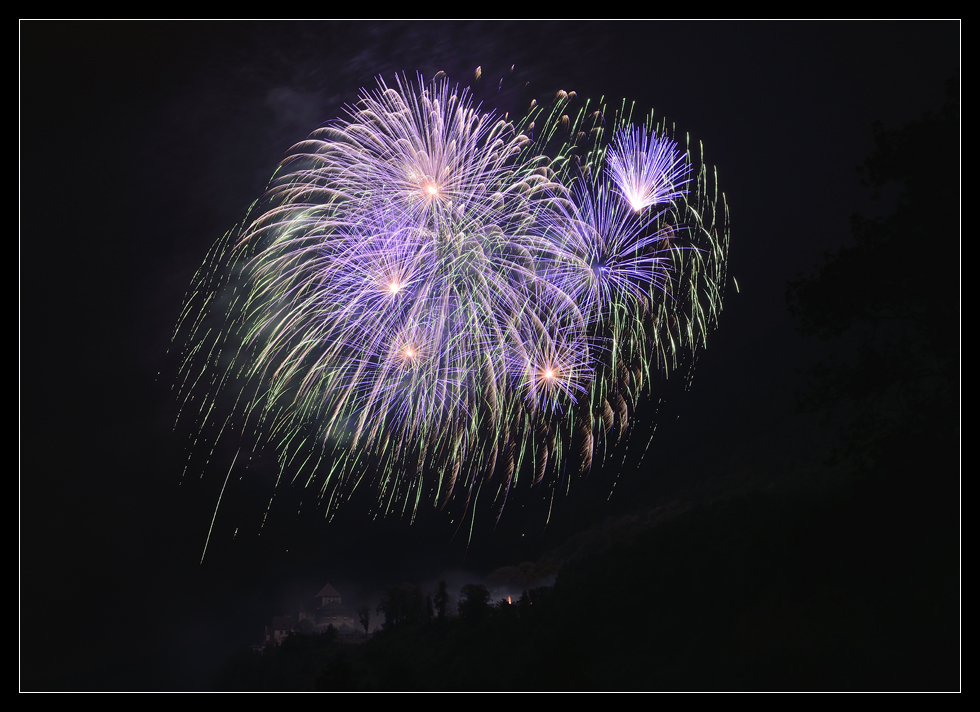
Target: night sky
[(142, 143)]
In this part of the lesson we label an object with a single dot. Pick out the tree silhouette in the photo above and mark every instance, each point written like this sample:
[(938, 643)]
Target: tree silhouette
[(474, 602), (364, 612), (891, 300), (402, 604), (441, 601)]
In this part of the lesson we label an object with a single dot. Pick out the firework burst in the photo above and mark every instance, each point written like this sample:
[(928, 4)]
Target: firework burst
[(431, 298), (646, 168)]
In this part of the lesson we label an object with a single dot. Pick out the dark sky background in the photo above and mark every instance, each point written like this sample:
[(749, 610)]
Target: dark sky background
[(142, 143)]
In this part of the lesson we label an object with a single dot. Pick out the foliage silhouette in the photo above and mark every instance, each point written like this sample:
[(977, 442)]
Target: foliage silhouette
[(891, 300), (402, 604), (474, 603), (441, 601), (364, 614)]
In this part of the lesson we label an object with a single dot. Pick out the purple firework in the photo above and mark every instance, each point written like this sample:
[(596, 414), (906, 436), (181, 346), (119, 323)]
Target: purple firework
[(646, 168), (428, 297)]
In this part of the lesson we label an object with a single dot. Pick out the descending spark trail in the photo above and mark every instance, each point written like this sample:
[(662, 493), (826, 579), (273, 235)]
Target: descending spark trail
[(430, 297), (218, 504)]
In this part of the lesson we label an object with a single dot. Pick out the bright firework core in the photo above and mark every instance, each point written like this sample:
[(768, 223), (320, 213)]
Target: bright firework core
[(547, 245)]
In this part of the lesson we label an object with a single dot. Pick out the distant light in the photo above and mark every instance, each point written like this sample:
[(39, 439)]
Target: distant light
[(394, 287), (549, 374), (432, 189)]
